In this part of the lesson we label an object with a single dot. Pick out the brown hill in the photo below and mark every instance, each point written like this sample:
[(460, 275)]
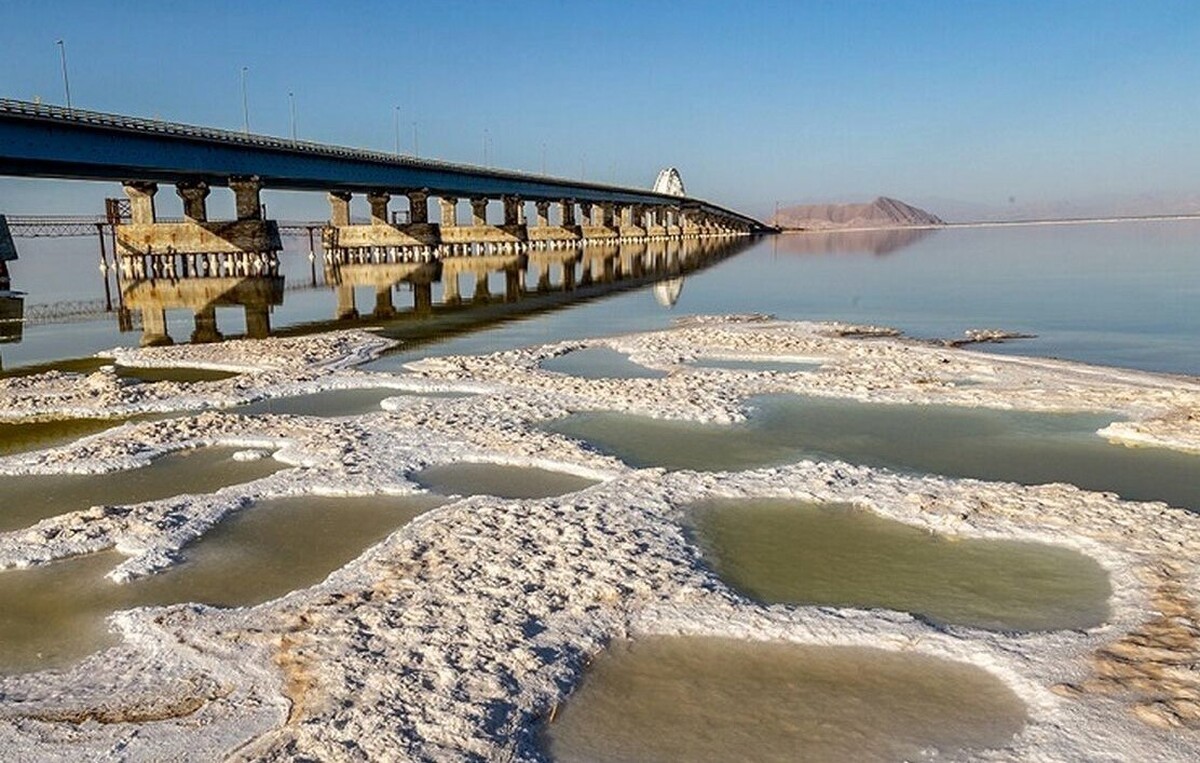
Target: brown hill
[(881, 213)]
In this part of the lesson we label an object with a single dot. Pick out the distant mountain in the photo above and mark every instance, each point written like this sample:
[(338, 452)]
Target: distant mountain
[(880, 213)]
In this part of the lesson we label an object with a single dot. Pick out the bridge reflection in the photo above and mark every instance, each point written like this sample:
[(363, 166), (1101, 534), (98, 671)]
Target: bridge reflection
[(422, 295)]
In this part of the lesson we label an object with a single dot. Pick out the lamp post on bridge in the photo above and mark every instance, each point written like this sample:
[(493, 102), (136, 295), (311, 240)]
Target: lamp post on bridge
[(245, 103), (292, 109), (62, 50), (396, 120)]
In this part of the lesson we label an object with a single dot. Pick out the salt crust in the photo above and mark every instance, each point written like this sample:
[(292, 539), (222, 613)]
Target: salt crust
[(454, 637)]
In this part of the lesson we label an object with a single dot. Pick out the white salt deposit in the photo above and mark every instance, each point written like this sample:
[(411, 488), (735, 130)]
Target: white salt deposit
[(455, 637)]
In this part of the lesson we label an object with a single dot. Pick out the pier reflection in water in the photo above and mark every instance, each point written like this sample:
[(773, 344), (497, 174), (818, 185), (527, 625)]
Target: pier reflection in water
[(446, 290), (12, 319)]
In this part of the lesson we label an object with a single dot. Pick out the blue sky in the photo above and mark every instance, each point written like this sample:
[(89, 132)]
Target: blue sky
[(753, 101)]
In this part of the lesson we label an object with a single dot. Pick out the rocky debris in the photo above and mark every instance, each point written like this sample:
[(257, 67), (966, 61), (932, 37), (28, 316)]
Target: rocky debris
[(983, 336)]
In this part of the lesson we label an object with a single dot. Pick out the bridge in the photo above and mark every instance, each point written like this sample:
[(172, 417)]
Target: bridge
[(538, 213), (38, 140)]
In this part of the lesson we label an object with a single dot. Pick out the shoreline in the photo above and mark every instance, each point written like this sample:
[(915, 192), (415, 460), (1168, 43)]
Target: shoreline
[(301, 673), (999, 224)]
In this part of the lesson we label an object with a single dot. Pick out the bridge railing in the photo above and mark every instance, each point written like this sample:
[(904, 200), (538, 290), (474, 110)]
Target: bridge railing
[(179, 129)]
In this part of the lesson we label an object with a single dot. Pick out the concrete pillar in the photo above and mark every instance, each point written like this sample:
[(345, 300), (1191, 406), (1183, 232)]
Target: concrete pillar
[(418, 206), (206, 326), (568, 211), (479, 211), (512, 284), (141, 201), (598, 212), (482, 292), (246, 194), (194, 195), (449, 206), (339, 207), (450, 293), (543, 213), (384, 308), (154, 327), (585, 210), (512, 206), (379, 201), (258, 321), (346, 309), (422, 297)]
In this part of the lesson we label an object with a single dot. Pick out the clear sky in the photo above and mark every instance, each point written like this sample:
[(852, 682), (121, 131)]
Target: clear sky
[(753, 101)]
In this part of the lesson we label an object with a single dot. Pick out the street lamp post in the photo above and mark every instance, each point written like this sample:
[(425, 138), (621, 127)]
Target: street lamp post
[(416, 147), (292, 109), (62, 50), (396, 112), (245, 103)]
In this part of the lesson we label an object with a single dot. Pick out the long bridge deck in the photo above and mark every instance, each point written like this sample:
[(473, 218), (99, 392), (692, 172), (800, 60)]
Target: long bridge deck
[(38, 140)]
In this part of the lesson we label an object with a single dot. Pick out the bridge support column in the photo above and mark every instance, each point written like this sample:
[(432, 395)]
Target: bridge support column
[(339, 208), (568, 212), (512, 210), (154, 328), (418, 207), (258, 321), (479, 211), (246, 192), (195, 200), (449, 205), (543, 213), (379, 201), (422, 297), (141, 202), (384, 307), (206, 326), (346, 309)]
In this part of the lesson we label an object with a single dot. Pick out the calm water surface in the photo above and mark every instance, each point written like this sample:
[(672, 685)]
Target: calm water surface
[(687, 699), (53, 615), (500, 480), (1122, 294), (835, 555), (1010, 446)]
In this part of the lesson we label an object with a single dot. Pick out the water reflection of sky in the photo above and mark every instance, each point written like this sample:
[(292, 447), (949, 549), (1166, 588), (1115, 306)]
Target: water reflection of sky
[(1120, 294)]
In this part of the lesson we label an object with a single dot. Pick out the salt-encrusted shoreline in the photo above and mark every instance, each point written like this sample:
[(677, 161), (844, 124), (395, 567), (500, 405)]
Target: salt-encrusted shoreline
[(455, 636)]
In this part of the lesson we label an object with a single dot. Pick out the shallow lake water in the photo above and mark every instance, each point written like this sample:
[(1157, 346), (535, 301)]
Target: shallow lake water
[(793, 552), (18, 437), (599, 363), (27, 499), (1029, 448), (667, 699), (55, 614), (500, 480)]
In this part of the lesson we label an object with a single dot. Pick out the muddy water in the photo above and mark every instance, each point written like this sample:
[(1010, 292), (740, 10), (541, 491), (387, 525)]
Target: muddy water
[(26, 500), (500, 480), (837, 555), (599, 363), (666, 699), (18, 437), (331, 403), (53, 615), (1029, 448)]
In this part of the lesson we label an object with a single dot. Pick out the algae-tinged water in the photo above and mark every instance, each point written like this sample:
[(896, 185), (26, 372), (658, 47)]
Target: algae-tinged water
[(794, 552), (1016, 446), (53, 615), (27, 499)]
